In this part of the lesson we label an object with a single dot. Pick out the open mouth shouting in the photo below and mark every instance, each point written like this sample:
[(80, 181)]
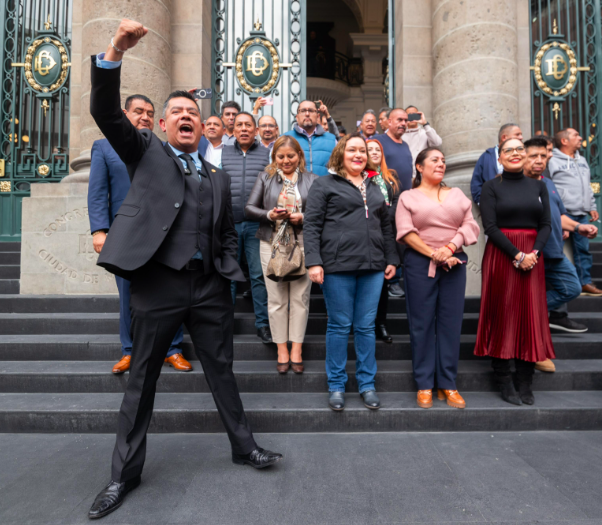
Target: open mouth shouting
[(186, 131)]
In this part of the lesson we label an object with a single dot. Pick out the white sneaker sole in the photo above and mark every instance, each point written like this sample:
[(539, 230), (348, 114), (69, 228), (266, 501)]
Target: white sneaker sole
[(565, 329)]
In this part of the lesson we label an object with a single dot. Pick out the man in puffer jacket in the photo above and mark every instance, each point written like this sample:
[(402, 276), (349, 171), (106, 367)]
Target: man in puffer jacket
[(316, 143), (570, 173), (244, 161)]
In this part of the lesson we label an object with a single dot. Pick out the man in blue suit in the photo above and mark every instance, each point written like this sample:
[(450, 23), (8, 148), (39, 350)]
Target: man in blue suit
[(109, 184), (488, 166)]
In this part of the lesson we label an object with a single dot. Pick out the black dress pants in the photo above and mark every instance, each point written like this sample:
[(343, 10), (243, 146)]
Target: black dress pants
[(162, 299)]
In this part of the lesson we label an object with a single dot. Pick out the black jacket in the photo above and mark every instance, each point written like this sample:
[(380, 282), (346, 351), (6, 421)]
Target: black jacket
[(264, 198), (338, 236), (243, 169), (157, 191)]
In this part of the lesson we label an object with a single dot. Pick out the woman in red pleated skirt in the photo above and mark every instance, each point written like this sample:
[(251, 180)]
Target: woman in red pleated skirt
[(513, 322)]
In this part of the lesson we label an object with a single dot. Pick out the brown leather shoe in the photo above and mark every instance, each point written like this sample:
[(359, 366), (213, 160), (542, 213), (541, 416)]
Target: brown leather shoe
[(591, 290), (179, 363), (298, 368), (123, 365), (283, 367), (424, 398), (454, 399), (545, 366)]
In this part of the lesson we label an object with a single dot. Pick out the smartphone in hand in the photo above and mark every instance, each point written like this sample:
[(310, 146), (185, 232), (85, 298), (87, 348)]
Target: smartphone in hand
[(269, 101)]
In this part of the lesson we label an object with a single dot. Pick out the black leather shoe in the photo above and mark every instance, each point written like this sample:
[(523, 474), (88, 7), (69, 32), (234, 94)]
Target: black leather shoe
[(259, 458), (111, 497), (264, 334), (383, 334), (371, 400), (526, 393), (509, 393), (336, 401)]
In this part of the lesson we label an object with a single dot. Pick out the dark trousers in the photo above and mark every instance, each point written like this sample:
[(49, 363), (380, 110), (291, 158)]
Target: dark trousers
[(383, 305), (125, 322), (162, 299), (435, 309)]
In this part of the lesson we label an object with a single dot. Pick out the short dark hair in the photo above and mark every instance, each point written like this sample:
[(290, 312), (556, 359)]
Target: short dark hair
[(231, 104), (179, 93), (536, 142), (342, 130), (560, 136), (411, 106), (245, 113), (505, 128), (131, 98), (385, 109)]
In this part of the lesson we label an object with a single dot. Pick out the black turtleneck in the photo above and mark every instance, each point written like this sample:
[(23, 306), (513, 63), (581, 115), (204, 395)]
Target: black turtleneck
[(514, 201)]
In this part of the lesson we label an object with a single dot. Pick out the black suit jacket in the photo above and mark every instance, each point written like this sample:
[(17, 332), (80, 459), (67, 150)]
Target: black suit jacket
[(157, 191)]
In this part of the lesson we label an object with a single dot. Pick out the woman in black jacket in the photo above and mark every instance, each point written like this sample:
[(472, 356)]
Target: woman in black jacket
[(279, 195), (349, 250)]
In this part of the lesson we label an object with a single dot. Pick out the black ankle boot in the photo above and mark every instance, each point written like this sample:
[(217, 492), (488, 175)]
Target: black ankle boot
[(509, 393), (526, 393)]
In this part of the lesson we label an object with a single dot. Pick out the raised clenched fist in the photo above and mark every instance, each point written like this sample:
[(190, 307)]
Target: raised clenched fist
[(127, 36)]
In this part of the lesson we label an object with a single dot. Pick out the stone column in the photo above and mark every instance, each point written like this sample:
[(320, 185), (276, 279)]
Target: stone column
[(475, 89), (372, 48), (146, 68)]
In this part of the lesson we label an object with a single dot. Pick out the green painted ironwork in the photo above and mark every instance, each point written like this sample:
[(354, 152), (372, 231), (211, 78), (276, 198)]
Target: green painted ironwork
[(34, 101), (573, 26), (279, 22)]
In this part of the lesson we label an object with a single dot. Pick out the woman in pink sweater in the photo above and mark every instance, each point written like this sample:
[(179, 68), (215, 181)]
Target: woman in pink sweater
[(435, 221)]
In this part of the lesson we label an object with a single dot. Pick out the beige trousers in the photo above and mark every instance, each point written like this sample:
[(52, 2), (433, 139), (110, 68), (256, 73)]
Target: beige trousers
[(286, 324)]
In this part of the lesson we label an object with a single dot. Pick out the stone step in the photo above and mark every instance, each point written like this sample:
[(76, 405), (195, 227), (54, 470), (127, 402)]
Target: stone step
[(103, 347), (10, 247), (110, 304), (9, 286), (597, 271), (244, 323), (304, 412), (10, 271), (261, 376), (10, 258)]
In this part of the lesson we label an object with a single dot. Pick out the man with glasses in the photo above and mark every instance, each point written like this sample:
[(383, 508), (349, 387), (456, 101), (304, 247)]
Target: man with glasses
[(268, 132), (488, 165), (317, 144)]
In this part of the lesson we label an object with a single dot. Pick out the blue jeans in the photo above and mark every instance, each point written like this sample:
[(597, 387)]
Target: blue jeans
[(125, 322), (250, 244), (581, 255), (351, 300), (562, 277)]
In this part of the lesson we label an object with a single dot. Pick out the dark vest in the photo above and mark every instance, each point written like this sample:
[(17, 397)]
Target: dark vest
[(193, 228)]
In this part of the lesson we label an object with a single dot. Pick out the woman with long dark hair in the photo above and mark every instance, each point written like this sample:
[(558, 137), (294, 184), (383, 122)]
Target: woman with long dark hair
[(349, 250), (513, 322), (435, 221), (390, 187), (277, 201)]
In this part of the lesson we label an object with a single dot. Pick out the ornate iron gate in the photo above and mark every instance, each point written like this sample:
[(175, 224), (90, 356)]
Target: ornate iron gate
[(566, 59), (34, 101), (283, 22)]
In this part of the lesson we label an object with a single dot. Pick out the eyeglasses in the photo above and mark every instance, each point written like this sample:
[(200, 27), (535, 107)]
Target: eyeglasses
[(508, 151), (307, 110), (268, 126)]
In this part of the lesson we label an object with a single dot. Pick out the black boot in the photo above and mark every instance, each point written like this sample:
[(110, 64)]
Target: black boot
[(503, 378), (524, 379), (383, 334)]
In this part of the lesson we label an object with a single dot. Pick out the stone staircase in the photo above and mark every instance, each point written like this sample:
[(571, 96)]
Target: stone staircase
[(56, 354)]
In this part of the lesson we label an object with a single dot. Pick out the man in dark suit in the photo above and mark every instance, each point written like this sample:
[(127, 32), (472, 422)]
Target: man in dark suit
[(174, 239), (108, 186)]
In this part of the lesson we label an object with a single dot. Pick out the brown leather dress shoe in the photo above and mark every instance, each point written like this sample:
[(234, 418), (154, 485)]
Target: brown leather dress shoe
[(545, 366), (591, 290), (179, 363), (454, 399), (123, 365), (298, 368), (425, 398), (283, 367)]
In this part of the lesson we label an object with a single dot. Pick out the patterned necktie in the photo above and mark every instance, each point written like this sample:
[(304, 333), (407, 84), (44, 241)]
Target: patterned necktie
[(189, 163)]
